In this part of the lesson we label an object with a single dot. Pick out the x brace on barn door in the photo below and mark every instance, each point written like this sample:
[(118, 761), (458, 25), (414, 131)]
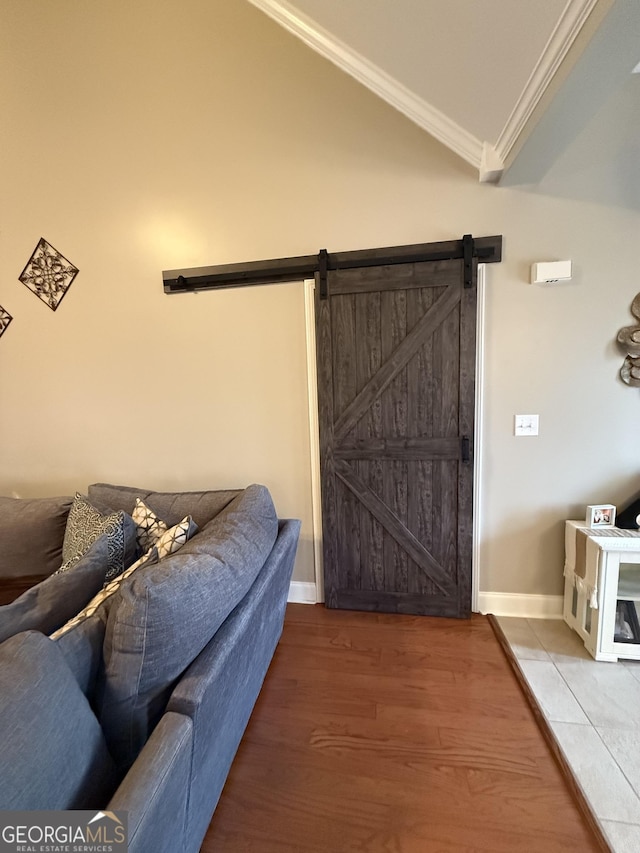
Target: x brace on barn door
[(483, 249)]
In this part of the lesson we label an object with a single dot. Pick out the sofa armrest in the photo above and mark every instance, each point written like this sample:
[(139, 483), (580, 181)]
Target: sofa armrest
[(220, 687), (155, 791), (268, 595)]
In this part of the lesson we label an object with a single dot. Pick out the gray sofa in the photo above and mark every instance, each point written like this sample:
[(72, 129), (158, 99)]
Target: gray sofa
[(140, 707)]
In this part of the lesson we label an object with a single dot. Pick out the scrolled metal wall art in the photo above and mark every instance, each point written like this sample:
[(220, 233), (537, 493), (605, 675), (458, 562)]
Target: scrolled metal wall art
[(48, 274), (5, 319), (629, 340)]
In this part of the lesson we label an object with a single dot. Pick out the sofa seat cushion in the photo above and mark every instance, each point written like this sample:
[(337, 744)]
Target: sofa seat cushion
[(168, 613), (170, 506), (48, 605), (32, 532), (53, 751)]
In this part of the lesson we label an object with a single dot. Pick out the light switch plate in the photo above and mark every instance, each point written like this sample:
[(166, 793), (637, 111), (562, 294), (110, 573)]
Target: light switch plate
[(526, 424)]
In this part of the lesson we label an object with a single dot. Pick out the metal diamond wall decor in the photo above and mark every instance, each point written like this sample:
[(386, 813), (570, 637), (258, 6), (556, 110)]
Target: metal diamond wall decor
[(48, 274), (5, 319)]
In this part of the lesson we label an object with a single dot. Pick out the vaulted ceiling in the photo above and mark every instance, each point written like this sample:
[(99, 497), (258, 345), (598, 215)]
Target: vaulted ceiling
[(502, 83)]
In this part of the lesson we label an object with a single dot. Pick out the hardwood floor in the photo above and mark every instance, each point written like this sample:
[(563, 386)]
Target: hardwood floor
[(390, 733)]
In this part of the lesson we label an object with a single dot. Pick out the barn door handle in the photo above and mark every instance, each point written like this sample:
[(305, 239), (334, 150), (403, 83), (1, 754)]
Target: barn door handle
[(465, 448)]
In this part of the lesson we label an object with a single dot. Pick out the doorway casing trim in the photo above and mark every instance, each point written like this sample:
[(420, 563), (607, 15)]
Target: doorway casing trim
[(478, 440), (314, 436)]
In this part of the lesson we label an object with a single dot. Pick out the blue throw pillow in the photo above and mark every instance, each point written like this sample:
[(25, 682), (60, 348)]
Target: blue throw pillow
[(49, 604), (53, 751), (82, 648)]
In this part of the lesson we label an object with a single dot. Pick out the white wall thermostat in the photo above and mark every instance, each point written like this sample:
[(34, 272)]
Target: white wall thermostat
[(550, 272)]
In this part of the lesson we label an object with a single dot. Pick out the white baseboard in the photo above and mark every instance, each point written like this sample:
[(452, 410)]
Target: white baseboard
[(498, 603), (525, 606), (302, 592)]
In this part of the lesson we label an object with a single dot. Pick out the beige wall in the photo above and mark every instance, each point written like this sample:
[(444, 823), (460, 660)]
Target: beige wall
[(144, 136)]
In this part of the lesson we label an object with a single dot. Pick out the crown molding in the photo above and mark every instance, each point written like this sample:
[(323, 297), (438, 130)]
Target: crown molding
[(491, 165), (436, 123), (563, 36)]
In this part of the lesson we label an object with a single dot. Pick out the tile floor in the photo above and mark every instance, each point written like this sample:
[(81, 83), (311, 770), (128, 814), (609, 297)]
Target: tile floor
[(594, 711)]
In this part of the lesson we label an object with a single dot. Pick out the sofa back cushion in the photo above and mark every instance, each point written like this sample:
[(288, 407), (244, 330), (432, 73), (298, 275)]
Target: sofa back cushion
[(32, 532), (53, 751), (166, 614), (57, 598), (170, 506)]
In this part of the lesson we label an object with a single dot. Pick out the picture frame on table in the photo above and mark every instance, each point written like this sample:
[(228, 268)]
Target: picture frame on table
[(601, 515)]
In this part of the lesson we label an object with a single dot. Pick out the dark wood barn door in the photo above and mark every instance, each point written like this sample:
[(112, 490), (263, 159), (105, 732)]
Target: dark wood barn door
[(396, 390)]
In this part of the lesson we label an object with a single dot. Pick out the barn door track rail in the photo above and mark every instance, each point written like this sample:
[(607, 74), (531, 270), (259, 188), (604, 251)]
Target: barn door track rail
[(486, 250)]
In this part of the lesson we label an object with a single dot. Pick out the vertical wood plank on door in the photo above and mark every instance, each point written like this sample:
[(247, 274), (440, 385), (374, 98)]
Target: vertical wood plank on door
[(468, 315), (423, 367), (326, 418), (448, 342), (394, 406), (344, 390), (344, 352), (367, 362)]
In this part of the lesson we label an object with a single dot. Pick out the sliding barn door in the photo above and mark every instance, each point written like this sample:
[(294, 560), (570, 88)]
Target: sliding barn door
[(396, 370)]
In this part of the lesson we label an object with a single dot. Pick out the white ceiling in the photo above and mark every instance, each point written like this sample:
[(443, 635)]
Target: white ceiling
[(479, 75)]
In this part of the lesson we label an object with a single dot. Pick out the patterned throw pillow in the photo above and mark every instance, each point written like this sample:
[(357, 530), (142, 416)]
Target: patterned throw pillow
[(174, 538), (149, 527), (169, 543), (85, 524)]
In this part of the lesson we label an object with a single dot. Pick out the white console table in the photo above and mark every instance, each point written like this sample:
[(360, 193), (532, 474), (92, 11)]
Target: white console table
[(602, 568)]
